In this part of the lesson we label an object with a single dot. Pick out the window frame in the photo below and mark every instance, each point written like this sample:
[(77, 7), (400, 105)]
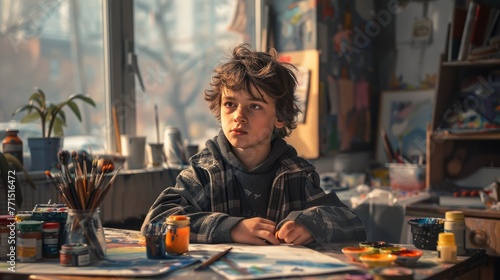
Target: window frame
[(118, 44), (119, 89)]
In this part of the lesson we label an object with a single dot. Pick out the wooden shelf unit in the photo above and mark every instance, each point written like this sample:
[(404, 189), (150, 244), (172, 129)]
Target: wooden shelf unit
[(440, 144)]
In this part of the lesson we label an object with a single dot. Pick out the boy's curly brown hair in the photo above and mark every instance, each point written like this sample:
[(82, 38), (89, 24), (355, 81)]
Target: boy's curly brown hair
[(248, 69)]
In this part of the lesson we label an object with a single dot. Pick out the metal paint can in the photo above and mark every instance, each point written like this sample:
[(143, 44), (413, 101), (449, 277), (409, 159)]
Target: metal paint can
[(74, 254)]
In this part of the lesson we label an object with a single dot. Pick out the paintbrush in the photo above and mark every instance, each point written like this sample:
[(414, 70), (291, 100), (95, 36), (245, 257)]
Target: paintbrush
[(64, 157), (389, 152), (90, 187), (105, 190), (78, 180), (84, 175), (213, 259), (58, 186)]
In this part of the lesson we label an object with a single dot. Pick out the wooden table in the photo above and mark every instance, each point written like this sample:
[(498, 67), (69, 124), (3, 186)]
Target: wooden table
[(426, 268)]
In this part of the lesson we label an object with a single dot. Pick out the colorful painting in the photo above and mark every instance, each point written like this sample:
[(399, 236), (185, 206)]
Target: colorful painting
[(126, 256), (295, 24), (404, 116)]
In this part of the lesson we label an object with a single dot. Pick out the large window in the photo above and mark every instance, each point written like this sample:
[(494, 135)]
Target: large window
[(178, 43), (56, 46), (78, 46)]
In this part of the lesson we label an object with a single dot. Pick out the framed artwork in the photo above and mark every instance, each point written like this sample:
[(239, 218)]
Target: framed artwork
[(404, 115)]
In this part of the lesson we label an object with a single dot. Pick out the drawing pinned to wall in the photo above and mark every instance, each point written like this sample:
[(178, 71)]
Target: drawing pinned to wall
[(295, 24), (422, 31), (404, 116)]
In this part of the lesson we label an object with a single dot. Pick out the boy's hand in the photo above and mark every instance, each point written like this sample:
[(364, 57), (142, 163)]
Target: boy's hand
[(255, 231), (294, 233)]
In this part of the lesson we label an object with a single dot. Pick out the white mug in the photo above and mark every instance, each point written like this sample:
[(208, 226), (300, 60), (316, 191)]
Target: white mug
[(134, 149)]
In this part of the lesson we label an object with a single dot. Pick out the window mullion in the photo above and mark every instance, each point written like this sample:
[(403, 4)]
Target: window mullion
[(119, 81)]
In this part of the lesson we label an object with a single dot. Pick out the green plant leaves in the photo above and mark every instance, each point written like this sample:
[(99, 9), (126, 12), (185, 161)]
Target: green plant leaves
[(51, 114)]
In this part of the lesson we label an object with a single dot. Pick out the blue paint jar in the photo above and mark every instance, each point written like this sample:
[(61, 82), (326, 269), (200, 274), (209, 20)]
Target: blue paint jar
[(155, 241)]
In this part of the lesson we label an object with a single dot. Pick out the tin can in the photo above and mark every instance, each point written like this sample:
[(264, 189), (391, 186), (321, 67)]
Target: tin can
[(29, 241), (74, 254), (177, 236), (174, 149), (50, 240)]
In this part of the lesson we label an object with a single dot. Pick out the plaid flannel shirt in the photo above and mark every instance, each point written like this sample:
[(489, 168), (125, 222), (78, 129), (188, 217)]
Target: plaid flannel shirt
[(204, 192)]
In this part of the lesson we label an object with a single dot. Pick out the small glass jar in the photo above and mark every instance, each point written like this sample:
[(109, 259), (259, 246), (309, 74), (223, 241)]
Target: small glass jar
[(13, 145), (50, 240), (29, 241), (177, 235), (75, 254), (155, 240), (85, 227)]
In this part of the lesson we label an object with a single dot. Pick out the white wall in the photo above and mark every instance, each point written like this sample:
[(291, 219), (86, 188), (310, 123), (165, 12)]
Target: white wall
[(414, 61)]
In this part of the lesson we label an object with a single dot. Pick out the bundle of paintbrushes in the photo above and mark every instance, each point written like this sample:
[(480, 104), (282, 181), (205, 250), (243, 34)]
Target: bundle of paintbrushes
[(84, 189)]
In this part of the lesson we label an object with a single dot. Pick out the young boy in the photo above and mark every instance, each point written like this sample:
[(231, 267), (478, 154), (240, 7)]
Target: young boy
[(248, 185)]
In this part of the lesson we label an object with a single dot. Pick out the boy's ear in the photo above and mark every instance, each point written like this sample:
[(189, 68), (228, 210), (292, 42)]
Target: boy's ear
[(279, 124), (274, 53)]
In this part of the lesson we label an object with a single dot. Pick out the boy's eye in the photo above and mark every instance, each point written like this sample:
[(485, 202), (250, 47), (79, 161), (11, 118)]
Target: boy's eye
[(228, 104), (255, 106)]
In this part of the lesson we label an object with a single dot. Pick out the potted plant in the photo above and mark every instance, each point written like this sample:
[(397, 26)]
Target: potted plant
[(53, 119)]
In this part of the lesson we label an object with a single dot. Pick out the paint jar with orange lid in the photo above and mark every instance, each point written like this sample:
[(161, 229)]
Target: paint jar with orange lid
[(177, 235)]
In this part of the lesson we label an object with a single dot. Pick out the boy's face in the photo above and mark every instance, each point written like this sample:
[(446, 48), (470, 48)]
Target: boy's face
[(248, 122)]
